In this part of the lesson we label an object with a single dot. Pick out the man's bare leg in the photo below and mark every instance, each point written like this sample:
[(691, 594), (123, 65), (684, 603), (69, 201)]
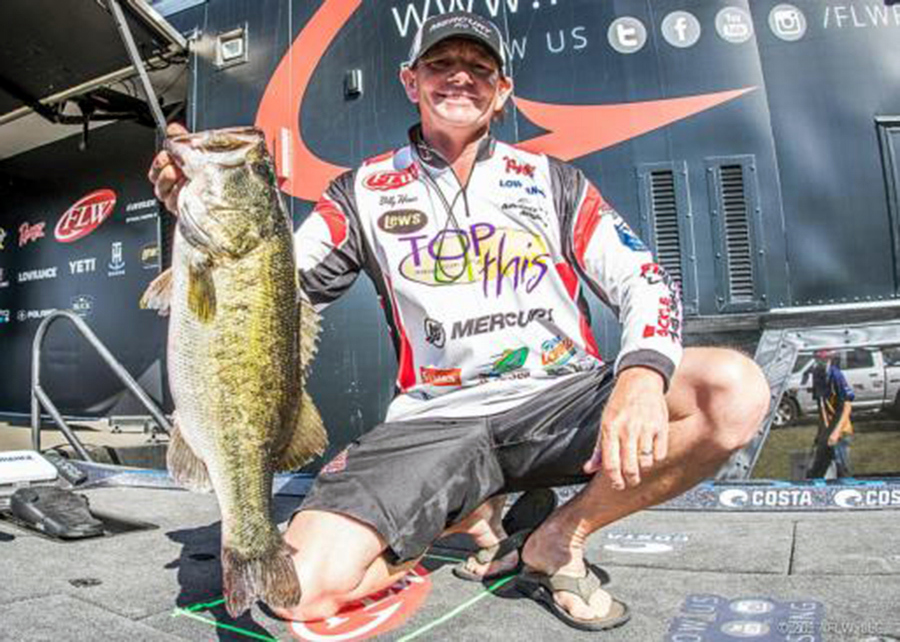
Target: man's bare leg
[(340, 560), (716, 401)]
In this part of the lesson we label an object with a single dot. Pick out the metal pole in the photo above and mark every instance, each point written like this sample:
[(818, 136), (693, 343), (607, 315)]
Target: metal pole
[(39, 397), (131, 48)]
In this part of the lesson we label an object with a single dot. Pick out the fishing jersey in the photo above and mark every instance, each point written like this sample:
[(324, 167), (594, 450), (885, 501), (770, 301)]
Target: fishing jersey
[(483, 285)]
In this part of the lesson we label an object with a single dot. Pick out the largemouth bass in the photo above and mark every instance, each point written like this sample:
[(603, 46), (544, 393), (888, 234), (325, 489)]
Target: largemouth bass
[(241, 338)]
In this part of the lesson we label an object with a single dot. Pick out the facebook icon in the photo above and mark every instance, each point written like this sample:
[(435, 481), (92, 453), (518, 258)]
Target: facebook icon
[(681, 29)]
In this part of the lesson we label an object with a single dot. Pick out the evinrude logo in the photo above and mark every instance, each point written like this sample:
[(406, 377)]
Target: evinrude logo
[(85, 216), (402, 221)]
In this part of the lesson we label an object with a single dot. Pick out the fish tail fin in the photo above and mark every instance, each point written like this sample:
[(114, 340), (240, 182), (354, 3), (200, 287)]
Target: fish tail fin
[(158, 295), (271, 578), (184, 466), (309, 438)]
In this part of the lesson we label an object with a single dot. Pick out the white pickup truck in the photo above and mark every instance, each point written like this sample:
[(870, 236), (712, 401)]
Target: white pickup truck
[(874, 374)]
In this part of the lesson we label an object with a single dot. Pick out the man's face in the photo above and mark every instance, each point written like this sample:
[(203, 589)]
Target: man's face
[(457, 84)]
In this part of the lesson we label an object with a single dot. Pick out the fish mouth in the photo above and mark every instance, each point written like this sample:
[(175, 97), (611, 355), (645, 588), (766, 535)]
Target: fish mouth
[(227, 146)]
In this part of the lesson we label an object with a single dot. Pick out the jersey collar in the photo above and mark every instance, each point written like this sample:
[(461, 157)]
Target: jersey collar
[(433, 158)]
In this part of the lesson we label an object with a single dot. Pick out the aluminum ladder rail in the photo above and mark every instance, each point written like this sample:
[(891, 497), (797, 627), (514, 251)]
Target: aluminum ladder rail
[(40, 398)]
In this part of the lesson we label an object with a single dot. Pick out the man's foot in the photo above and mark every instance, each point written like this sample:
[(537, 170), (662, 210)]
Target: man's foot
[(499, 541), (545, 553)]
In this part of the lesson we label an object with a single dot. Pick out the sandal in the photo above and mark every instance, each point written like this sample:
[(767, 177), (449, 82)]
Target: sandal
[(540, 587), (529, 512)]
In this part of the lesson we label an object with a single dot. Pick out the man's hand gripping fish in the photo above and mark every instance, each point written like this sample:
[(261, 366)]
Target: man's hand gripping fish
[(241, 338)]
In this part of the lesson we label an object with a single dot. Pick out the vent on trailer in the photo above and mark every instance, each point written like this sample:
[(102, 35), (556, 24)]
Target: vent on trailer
[(735, 217), (666, 224)]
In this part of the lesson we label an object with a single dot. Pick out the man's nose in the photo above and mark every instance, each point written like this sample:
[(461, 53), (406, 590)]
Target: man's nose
[(460, 74)]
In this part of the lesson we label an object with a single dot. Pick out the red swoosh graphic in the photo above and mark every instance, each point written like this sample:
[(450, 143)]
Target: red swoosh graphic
[(572, 130)]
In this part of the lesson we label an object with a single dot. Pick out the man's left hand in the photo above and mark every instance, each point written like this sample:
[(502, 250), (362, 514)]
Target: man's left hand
[(634, 428)]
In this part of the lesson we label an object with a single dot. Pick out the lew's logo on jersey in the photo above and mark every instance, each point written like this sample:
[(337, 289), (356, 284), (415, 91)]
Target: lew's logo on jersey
[(402, 221), (85, 216), (387, 180)]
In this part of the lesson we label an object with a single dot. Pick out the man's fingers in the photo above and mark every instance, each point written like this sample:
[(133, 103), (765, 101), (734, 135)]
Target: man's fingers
[(661, 444), (646, 450), (612, 463), (630, 465)]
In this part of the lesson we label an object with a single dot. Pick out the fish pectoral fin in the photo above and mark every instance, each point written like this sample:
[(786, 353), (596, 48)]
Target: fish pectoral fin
[(309, 333), (309, 438), (158, 295), (184, 466), (201, 293)]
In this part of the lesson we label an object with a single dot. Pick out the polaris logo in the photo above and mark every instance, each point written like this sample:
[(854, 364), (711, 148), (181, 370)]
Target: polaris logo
[(85, 216)]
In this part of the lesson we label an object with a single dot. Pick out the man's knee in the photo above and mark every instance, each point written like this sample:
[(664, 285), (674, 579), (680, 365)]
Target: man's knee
[(737, 398), (333, 554)]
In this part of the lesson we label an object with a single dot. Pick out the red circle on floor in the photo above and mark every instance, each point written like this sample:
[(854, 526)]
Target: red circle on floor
[(379, 613)]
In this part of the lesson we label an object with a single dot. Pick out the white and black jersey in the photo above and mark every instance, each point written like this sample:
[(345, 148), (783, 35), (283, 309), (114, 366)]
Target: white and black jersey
[(483, 284)]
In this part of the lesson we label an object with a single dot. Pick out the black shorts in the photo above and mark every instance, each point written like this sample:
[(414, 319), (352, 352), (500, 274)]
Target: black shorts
[(409, 480)]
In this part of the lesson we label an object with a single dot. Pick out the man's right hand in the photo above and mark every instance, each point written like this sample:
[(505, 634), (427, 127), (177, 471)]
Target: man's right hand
[(166, 175)]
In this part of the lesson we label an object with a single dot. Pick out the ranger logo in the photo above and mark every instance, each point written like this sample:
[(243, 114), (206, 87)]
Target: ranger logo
[(402, 221)]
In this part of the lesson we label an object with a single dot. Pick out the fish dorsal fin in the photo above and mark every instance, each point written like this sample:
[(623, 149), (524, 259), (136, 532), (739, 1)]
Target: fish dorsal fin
[(201, 293), (310, 325), (309, 439), (184, 466), (158, 295)]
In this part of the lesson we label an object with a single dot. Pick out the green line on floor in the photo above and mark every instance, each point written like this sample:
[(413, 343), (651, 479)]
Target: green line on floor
[(459, 609), (204, 605), (222, 625)]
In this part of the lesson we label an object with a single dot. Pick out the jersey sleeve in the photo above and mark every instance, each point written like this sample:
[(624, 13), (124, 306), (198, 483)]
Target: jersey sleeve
[(843, 389), (328, 245), (622, 272)]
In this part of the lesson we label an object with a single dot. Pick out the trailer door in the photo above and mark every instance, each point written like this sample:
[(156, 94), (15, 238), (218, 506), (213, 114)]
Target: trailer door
[(889, 135)]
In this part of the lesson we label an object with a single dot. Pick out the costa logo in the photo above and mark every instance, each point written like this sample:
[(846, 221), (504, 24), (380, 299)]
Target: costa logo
[(85, 216), (402, 221), (371, 616), (387, 180)]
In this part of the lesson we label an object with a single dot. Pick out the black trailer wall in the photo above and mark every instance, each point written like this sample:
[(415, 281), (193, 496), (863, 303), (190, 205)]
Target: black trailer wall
[(95, 258)]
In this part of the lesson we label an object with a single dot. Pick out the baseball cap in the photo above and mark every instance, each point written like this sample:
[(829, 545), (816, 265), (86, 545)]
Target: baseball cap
[(458, 24)]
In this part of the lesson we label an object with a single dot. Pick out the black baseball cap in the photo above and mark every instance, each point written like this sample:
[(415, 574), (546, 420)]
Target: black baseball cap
[(458, 24)]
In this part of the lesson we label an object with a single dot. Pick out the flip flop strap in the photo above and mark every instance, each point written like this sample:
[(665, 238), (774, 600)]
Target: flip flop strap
[(583, 587)]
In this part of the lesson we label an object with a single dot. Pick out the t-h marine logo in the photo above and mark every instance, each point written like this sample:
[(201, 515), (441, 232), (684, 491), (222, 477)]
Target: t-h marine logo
[(116, 262), (85, 216)]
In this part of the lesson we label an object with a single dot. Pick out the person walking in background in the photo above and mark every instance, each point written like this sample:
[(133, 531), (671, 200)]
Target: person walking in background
[(834, 396)]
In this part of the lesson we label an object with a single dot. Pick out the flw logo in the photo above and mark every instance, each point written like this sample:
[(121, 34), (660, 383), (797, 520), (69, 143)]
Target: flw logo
[(371, 616), (572, 131), (85, 216)]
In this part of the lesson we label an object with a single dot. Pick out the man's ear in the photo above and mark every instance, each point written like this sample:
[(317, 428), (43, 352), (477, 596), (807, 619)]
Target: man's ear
[(504, 91), (408, 78)]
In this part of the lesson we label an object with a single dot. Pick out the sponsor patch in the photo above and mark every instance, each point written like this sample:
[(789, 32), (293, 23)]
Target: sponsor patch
[(434, 333), (441, 376), (116, 265), (668, 323), (515, 167), (337, 464), (506, 362), (387, 180), (495, 257), (29, 233), (83, 266), (628, 238), (557, 352), (85, 216), (500, 321), (402, 221), (150, 256), (33, 315)]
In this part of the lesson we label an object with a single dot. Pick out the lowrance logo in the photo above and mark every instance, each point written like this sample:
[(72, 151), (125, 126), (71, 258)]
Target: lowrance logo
[(85, 216), (872, 498), (765, 498)]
